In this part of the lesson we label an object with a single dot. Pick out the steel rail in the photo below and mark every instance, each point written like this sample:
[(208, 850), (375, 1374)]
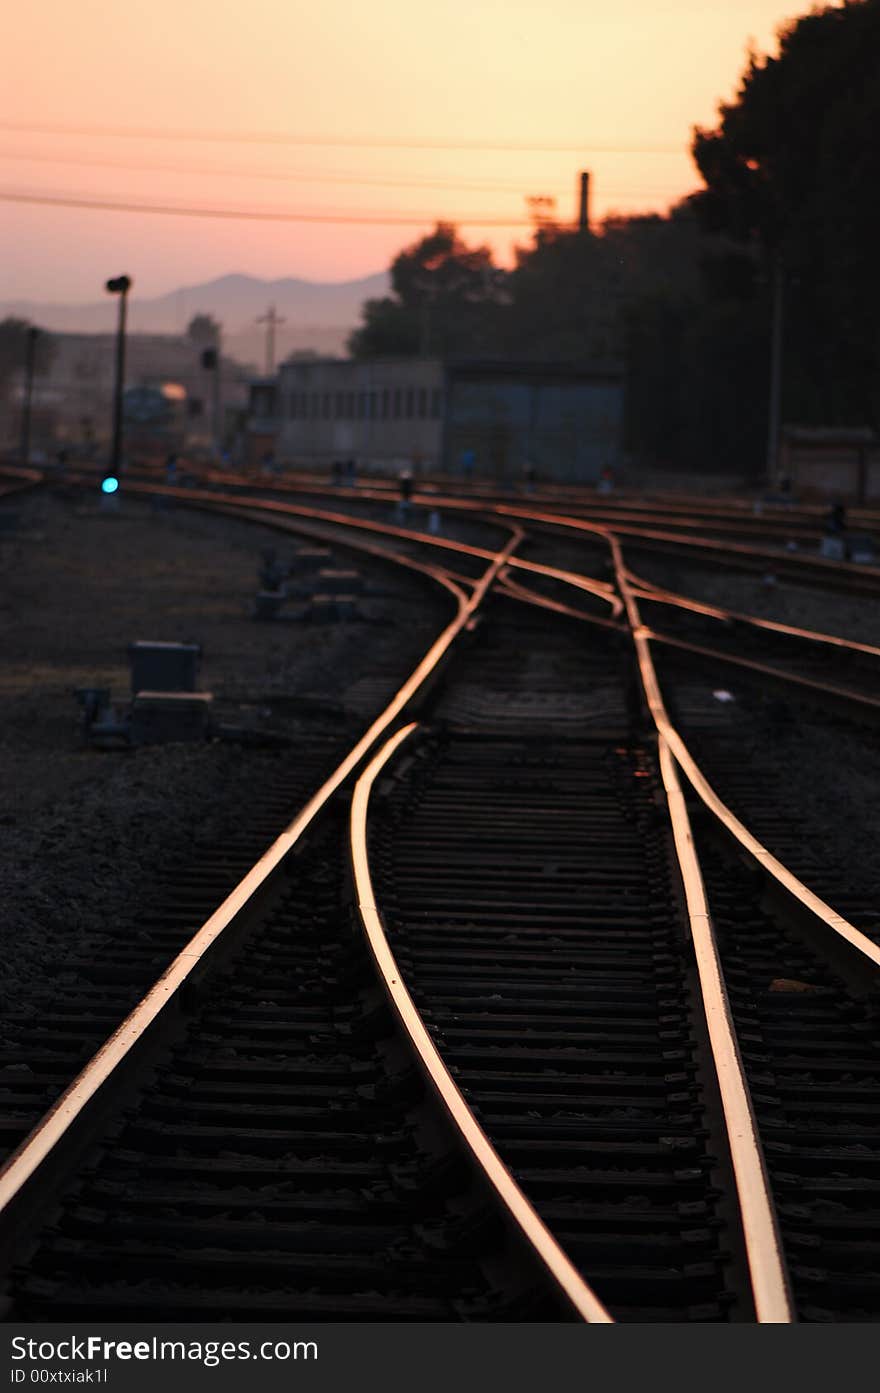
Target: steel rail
[(767, 1268), (731, 553), (602, 590), (25, 1161), (848, 695), (725, 553), (767, 1271), (517, 591), (658, 594), (563, 1272), (688, 508), (786, 878), (669, 736), (566, 577)]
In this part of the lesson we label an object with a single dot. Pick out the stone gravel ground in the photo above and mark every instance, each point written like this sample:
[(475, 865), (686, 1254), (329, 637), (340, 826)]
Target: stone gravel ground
[(83, 831)]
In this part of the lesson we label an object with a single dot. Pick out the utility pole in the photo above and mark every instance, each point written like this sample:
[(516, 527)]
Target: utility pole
[(120, 286), (271, 321), (774, 411), (211, 364), (30, 359)]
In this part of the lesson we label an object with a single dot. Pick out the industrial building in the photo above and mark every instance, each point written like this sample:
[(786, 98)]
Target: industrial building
[(500, 417), (830, 462)]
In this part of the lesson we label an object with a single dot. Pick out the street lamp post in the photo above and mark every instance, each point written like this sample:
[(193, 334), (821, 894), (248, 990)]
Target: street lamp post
[(119, 285), (776, 333), (30, 358)]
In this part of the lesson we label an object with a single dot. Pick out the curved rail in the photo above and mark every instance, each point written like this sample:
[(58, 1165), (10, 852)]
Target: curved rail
[(847, 695), (770, 1286), (642, 635), (657, 594), (857, 578), (564, 1274), (24, 1163), (790, 882), (601, 590)]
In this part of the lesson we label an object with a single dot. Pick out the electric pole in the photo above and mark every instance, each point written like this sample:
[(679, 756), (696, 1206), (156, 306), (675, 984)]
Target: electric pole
[(120, 286), (774, 413), (271, 321), (30, 358)]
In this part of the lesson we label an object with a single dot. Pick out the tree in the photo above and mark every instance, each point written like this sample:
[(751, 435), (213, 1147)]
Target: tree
[(13, 349), (791, 174), (446, 297), (204, 331), (564, 295)]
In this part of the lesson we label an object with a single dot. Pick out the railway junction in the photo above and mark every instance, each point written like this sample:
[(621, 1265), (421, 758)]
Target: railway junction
[(503, 948)]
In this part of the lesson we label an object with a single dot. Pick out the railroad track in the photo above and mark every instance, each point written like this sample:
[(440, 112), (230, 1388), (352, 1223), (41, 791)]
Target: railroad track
[(547, 962), (705, 536), (376, 1214)]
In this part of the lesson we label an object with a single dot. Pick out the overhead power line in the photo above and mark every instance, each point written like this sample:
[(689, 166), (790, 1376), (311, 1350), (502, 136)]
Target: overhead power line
[(581, 147), (488, 186), (255, 215)]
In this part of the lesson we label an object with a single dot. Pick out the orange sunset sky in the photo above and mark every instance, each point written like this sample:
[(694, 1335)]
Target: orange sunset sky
[(340, 109)]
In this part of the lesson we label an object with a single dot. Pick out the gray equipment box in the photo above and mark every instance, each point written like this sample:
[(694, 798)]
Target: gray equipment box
[(164, 667), (328, 609), (333, 582), (158, 718), (308, 559)]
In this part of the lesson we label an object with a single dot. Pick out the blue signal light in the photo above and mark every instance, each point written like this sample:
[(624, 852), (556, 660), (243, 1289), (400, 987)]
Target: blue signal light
[(109, 485)]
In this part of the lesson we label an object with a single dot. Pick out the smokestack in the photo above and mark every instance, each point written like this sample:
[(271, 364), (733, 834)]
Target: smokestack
[(584, 203)]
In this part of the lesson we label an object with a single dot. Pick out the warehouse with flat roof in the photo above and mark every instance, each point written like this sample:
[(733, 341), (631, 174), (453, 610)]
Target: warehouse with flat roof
[(497, 418)]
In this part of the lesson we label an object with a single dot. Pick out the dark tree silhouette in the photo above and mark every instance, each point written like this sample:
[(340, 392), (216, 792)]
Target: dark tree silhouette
[(446, 297), (13, 347), (792, 172), (204, 331)]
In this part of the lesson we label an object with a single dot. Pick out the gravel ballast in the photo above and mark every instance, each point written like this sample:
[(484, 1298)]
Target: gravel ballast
[(84, 831)]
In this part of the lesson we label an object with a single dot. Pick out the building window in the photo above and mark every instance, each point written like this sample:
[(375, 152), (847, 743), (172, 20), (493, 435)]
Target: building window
[(385, 403), (423, 401), (436, 403), (397, 397), (340, 404), (349, 410), (409, 411), (291, 406), (373, 413), (361, 406), (327, 405)]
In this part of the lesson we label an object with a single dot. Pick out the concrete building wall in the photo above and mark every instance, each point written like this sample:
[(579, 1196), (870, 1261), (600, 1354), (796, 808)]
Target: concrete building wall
[(426, 414), (73, 399), (842, 464), (385, 414), (565, 426)]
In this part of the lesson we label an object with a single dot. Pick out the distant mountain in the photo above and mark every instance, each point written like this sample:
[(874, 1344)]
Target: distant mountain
[(317, 314)]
